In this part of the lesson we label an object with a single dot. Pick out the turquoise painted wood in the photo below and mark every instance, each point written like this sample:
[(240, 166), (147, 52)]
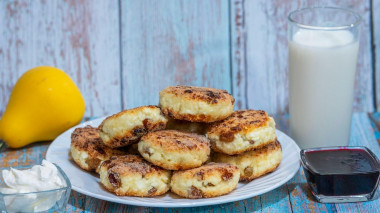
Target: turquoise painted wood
[(375, 121), (79, 37), (181, 42), (294, 196), (376, 44), (238, 53)]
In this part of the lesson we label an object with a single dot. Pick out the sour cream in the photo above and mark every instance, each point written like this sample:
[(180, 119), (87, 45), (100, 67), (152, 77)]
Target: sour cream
[(39, 178)]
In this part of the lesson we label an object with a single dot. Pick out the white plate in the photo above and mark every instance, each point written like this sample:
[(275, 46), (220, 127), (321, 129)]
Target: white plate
[(89, 183)]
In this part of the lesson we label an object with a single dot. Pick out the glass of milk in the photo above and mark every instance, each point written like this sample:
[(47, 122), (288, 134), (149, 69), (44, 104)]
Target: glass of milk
[(323, 52)]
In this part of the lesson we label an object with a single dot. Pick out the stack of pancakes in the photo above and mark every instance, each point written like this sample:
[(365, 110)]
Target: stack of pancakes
[(148, 150)]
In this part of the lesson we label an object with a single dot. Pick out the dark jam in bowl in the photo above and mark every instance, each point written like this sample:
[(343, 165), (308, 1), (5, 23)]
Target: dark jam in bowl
[(341, 171)]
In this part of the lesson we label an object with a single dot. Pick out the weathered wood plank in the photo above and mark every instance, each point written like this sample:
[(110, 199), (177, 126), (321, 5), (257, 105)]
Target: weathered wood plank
[(266, 49), (76, 202), (29, 155), (173, 42), (238, 53), (301, 197), (248, 205), (265, 25), (376, 47), (80, 37), (276, 200), (375, 122), (364, 94)]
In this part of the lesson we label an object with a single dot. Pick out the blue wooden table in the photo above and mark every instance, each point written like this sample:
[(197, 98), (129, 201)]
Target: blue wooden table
[(293, 196)]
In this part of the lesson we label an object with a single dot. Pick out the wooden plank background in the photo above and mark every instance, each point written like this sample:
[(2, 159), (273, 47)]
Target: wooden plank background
[(376, 49), (121, 53)]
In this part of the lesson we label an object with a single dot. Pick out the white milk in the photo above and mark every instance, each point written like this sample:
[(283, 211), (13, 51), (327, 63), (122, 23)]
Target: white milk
[(322, 67)]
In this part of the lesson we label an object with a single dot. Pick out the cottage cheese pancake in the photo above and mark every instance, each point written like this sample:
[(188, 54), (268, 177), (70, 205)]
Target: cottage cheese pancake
[(255, 163), (242, 131), (87, 148), (196, 104), (128, 126), (130, 175), (174, 150), (210, 180)]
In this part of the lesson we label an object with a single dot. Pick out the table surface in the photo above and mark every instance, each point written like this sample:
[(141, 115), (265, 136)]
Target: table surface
[(294, 196)]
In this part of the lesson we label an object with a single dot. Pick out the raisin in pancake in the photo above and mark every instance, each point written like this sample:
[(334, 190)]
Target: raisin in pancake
[(130, 175)]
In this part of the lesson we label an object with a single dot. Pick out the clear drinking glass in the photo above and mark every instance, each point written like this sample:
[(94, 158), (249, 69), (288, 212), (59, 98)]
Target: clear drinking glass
[(323, 52), (44, 201)]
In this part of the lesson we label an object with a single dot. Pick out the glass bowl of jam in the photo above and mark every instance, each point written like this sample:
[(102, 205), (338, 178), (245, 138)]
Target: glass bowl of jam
[(341, 174)]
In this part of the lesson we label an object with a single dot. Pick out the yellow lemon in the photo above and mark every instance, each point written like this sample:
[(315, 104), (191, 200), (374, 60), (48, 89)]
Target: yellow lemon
[(44, 103)]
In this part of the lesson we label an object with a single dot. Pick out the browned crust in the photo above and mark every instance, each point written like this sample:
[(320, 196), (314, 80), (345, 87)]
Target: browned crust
[(270, 146), (130, 164), (208, 95), (87, 139), (216, 149), (173, 140), (134, 110), (260, 151), (207, 168), (175, 165), (193, 118), (202, 194), (149, 194), (244, 178), (226, 171), (239, 121), (132, 136)]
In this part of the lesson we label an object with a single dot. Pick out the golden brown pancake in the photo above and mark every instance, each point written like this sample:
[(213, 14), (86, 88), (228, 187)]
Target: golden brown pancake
[(174, 150), (196, 104), (210, 180), (130, 175), (88, 150), (128, 126), (255, 163), (242, 131)]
